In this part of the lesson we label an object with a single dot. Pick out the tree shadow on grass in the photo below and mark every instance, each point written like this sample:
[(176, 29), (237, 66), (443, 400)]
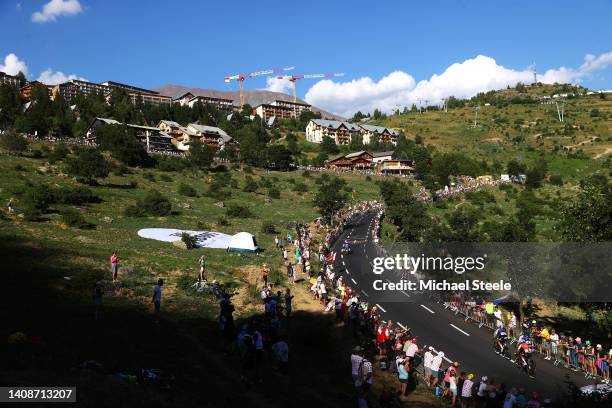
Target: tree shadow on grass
[(56, 316)]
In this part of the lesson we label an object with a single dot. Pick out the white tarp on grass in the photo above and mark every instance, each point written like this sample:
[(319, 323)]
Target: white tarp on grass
[(243, 242), (205, 239)]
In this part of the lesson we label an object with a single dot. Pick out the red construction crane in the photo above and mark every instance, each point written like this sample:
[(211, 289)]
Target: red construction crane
[(294, 78), (241, 77)]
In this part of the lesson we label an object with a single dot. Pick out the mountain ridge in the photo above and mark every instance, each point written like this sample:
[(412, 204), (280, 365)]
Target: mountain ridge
[(253, 98)]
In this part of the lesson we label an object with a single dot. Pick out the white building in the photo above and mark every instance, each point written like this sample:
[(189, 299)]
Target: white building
[(384, 134), (340, 132)]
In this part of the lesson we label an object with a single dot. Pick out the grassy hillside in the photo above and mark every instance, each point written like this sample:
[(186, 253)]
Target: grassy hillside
[(50, 267), (506, 129)]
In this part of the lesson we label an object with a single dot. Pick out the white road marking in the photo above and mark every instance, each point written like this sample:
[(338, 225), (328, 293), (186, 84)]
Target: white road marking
[(355, 282), (381, 308), (364, 292), (467, 334), (343, 263), (428, 309), (402, 326), (405, 293)]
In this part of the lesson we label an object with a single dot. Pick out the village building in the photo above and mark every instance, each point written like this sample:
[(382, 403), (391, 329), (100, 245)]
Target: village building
[(26, 90), (183, 99), (354, 161), (384, 134), (396, 166), (9, 80), (281, 109), (382, 156), (339, 132), (219, 103), (67, 90), (87, 88), (153, 139), (209, 135)]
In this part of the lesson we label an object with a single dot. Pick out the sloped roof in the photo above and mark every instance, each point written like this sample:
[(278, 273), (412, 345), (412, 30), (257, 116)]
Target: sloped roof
[(379, 129), (210, 130), (382, 154), (334, 124), (356, 154)]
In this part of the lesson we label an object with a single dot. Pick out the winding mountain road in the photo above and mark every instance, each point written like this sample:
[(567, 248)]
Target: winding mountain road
[(434, 325)]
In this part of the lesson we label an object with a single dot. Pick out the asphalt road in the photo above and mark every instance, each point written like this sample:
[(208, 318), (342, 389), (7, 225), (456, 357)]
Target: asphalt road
[(460, 340)]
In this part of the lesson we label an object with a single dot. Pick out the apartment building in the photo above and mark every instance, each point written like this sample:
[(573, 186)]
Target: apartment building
[(281, 109), (211, 136), (26, 90), (9, 80), (183, 99), (384, 134), (340, 132), (219, 103)]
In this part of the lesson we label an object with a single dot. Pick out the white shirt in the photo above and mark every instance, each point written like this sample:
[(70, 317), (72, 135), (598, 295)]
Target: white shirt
[(355, 363), (412, 348), (427, 359), (435, 363), (554, 338), (498, 315), (482, 390), (157, 293)]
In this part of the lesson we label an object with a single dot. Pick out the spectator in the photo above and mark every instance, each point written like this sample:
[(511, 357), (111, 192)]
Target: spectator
[(435, 368), (403, 375), (280, 350), (481, 393), (156, 299), (533, 402), (510, 399), (114, 261), (202, 275), (264, 274), (466, 391), (97, 298), (427, 360), (288, 299)]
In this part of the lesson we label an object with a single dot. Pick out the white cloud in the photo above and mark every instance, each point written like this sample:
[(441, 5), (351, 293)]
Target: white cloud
[(50, 77), (275, 84), (12, 65), (18, 6), (56, 8), (462, 80)]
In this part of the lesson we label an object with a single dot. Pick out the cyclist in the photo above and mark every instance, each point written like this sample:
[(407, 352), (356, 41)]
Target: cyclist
[(523, 354), (500, 336)]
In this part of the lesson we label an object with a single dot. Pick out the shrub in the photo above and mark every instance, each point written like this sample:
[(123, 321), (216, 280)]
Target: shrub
[(268, 227), (189, 240), (265, 183), (19, 167), (169, 163), (13, 142), (300, 187), (306, 174), (88, 165), (233, 183), (238, 211), (248, 170), (250, 185), (166, 178), (148, 176), (202, 225), (121, 170), (133, 184), (38, 197), (556, 180), (153, 204), (75, 195), (185, 189), (59, 152), (368, 178), (74, 218), (37, 154), (222, 221), (273, 192)]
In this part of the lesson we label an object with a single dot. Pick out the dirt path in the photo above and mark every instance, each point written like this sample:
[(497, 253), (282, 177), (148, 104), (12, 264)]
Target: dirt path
[(607, 151)]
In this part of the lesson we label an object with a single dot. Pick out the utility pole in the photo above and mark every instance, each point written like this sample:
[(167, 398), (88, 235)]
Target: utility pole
[(445, 104), (476, 109), (420, 104), (426, 104), (560, 103)]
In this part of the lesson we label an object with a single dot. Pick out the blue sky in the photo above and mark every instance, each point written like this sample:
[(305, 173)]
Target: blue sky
[(197, 43)]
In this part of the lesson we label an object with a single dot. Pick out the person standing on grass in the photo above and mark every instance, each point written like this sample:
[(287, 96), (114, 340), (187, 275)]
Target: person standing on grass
[(9, 206), (156, 299), (288, 299), (280, 349), (114, 261), (264, 274), (427, 359), (202, 264), (97, 298), (290, 273)]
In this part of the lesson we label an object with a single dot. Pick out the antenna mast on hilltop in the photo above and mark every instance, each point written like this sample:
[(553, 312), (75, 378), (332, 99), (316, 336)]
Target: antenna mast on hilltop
[(535, 73), (476, 108)]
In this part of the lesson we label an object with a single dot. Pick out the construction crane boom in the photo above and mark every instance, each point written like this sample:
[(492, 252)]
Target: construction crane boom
[(294, 78), (241, 77)]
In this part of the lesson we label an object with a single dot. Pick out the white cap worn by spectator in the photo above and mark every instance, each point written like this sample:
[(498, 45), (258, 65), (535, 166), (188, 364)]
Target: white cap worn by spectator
[(484, 378)]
